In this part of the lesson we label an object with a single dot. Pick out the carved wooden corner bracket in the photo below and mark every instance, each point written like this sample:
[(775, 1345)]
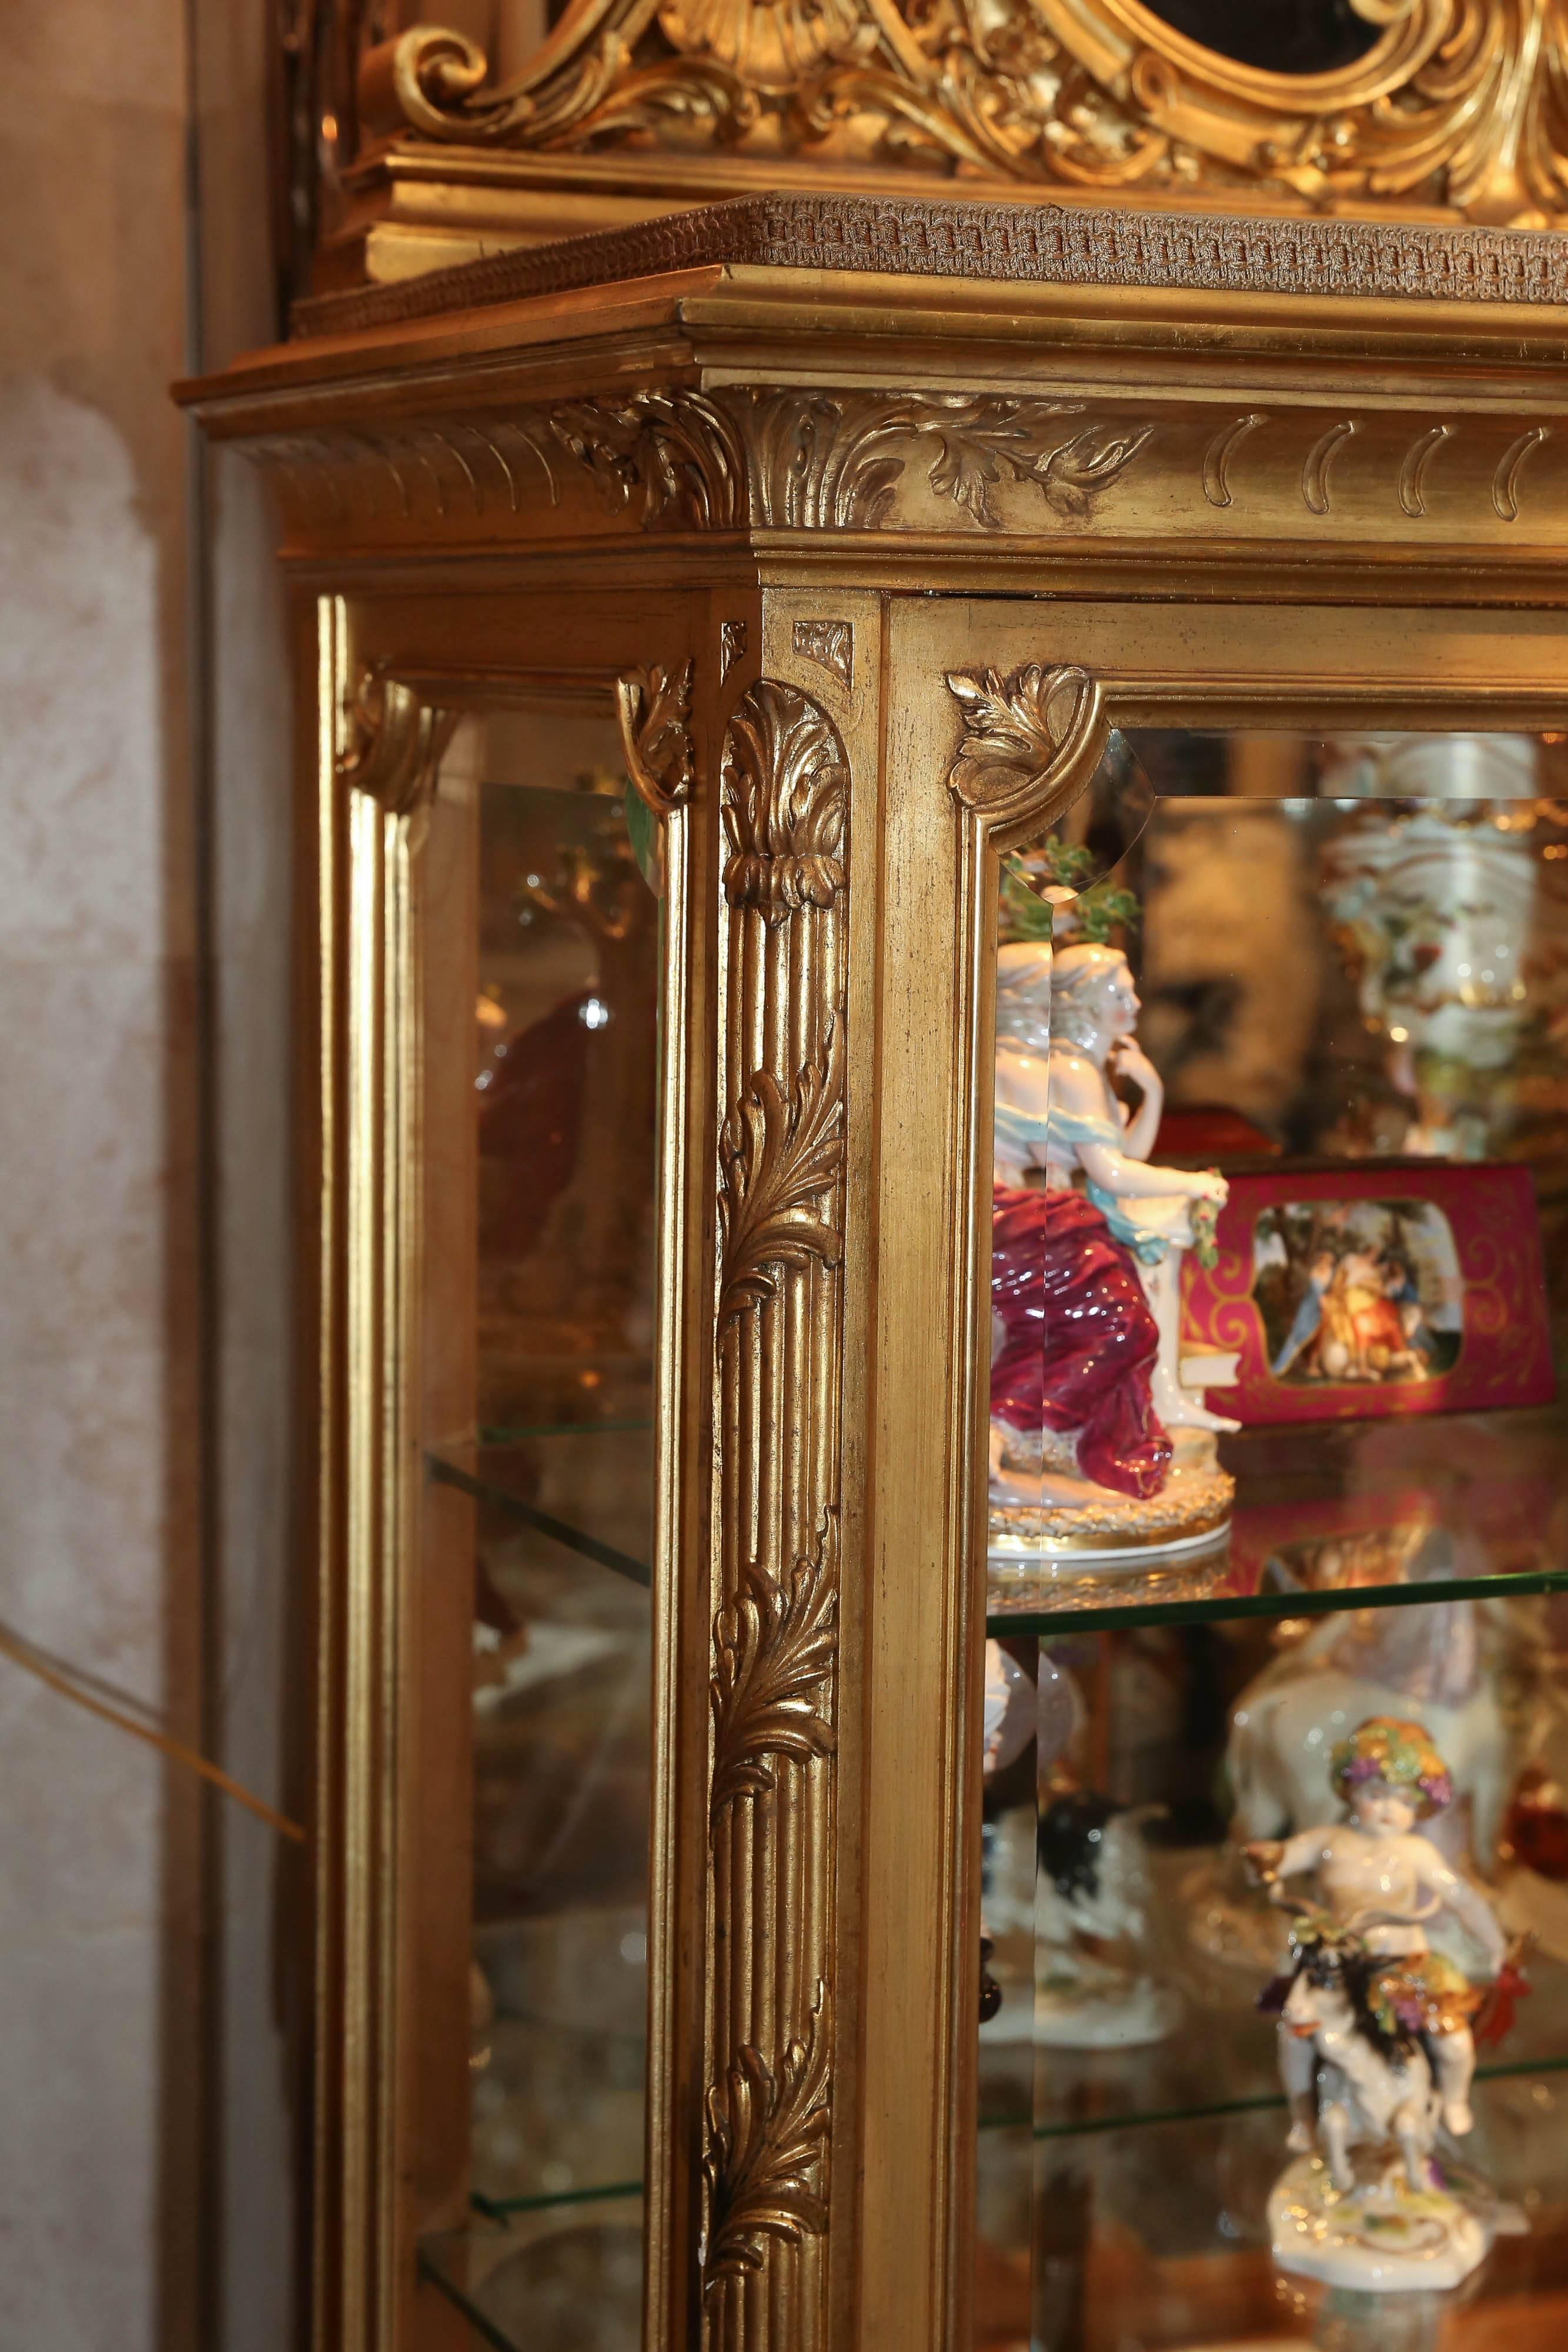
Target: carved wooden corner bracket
[(653, 707), (1030, 743), (773, 1690), (397, 743)]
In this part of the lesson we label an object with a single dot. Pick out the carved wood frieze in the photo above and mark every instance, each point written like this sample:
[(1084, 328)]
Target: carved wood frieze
[(801, 460), (773, 1690), (1452, 104)]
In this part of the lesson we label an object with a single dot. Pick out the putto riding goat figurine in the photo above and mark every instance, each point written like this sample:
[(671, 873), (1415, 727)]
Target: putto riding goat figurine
[(1377, 2030)]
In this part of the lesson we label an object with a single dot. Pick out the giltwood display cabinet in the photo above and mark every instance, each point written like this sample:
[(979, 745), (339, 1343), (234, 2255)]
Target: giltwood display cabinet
[(748, 666)]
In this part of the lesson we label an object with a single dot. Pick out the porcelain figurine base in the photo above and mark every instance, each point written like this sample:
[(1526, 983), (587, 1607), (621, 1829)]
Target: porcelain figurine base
[(1379, 2236), (1191, 1509)]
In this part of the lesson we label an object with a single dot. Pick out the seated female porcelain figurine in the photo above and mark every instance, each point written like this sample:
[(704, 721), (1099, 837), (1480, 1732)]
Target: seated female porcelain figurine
[(1376, 2048), (1085, 1386)]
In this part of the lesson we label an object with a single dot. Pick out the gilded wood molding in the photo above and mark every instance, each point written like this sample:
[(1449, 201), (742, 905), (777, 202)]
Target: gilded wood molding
[(990, 466), (774, 1658), (1453, 105)]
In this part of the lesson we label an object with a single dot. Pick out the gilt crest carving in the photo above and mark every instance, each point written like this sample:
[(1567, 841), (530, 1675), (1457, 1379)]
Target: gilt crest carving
[(1452, 104)]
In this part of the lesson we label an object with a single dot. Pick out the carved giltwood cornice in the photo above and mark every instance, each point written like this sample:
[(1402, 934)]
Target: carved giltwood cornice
[(780, 1342), (1454, 107)]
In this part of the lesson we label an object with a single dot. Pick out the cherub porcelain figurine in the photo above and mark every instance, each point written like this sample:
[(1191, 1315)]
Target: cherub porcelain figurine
[(1376, 2047), (1085, 1380)]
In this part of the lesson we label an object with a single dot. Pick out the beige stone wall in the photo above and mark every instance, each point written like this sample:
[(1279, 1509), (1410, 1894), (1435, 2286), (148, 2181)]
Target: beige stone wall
[(134, 2078)]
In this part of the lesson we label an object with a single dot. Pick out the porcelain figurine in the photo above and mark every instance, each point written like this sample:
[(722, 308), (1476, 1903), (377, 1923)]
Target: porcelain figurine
[(1095, 1442), (1094, 1986), (1435, 914), (1376, 2034)]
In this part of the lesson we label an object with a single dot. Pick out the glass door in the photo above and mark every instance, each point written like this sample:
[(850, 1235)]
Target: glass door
[(1275, 2037)]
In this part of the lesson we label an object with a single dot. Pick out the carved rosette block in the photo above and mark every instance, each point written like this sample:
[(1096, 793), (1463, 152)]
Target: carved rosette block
[(774, 1658)]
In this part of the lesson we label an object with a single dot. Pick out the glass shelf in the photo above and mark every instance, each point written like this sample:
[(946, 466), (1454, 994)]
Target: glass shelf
[(583, 1486), (1350, 1516), (1155, 2236), (563, 2275)]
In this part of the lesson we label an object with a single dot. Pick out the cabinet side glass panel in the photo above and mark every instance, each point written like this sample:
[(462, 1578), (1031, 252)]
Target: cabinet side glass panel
[(1275, 1881), (558, 1461)]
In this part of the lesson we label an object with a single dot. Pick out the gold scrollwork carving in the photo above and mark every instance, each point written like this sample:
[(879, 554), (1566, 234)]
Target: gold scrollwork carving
[(785, 787), (653, 707), (398, 741), (1453, 103), (679, 448), (1030, 742)]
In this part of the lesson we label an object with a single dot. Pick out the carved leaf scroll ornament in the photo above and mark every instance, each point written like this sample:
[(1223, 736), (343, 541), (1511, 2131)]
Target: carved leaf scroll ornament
[(767, 2145), (778, 1155), (785, 784), (1461, 103), (653, 707), (775, 1648), (834, 460), (398, 740), (1031, 741)]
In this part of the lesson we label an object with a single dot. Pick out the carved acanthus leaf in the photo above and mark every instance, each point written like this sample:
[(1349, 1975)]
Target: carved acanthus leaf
[(774, 1651), (653, 707), (786, 791), (1031, 741), (398, 741), (834, 460), (779, 1154), (677, 449), (766, 2144)]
